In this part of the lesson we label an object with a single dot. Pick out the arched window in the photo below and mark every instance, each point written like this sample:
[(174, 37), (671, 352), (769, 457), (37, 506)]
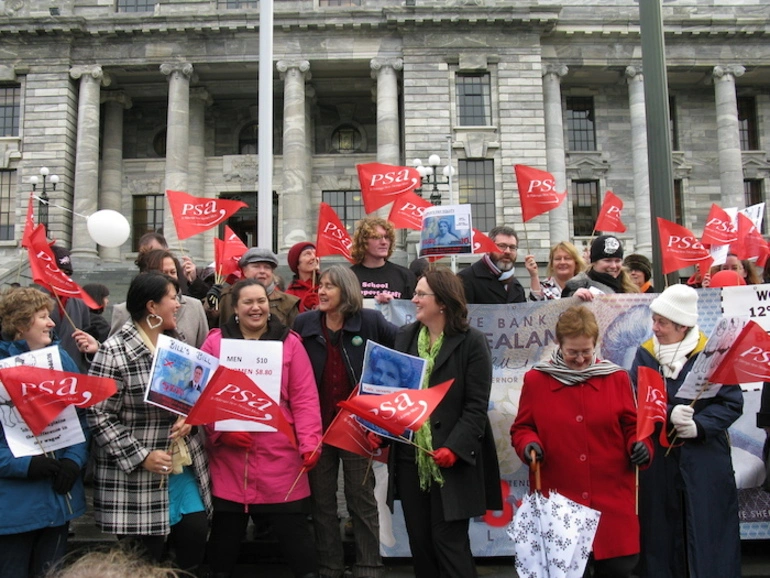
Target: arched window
[(346, 139), (247, 139)]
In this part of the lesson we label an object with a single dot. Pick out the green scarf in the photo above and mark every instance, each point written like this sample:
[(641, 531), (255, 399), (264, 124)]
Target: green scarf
[(427, 469)]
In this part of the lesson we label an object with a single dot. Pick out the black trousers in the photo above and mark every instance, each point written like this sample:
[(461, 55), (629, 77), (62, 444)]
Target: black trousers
[(619, 567)]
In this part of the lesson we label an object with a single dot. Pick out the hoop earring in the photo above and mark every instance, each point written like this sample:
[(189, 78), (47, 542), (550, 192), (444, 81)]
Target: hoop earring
[(151, 317)]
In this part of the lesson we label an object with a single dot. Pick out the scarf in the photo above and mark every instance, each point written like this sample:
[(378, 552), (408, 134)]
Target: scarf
[(672, 357), (502, 276), (558, 369), (607, 279), (427, 470)]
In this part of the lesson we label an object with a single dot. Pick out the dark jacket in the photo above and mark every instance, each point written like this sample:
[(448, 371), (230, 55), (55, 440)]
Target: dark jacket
[(460, 423), (481, 286)]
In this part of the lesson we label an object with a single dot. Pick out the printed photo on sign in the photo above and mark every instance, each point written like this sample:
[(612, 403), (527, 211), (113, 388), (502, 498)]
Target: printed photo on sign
[(446, 231)]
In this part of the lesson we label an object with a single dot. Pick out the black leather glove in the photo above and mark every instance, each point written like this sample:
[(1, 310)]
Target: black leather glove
[(640, 455), (213, 296), (41, 467), (528, 452), (66, 477)]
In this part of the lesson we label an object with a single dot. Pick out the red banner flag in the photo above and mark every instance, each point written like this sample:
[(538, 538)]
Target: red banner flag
[(227, 253), (407, 211), (482, 243), (29, 222), (398, 411), (680, 248), (750, 244), (46, 273), (537, 191), (609, 215), (41, 394), (232, 394), (193, 215), (347, 433), (651, 401), (332, 238), (382, 184), (748, 358), (719, 229)]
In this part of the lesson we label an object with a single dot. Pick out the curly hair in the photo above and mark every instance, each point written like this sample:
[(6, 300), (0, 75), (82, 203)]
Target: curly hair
[(18, 308), (365, 229)]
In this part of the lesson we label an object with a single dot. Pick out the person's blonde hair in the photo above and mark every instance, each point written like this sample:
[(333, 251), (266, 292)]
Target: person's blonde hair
[(365, 228), (18, 308), (572, 251), (117, 562), (577, 321)]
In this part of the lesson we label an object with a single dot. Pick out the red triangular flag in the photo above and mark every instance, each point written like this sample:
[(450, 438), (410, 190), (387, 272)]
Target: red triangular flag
[(719, 229), (29, 223), (382, 184), (398, 411), (609, 215), (333, 238), (227, 253), (482, 243), (41, 394), (223, 398), (651, 401), (407, 211), (679, 246), (537, 191), (193, 215), (748, 358), (46, 273), (347, 433), (749, 244)]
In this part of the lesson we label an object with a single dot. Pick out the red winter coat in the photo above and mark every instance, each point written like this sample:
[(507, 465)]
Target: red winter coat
[(586, 432)]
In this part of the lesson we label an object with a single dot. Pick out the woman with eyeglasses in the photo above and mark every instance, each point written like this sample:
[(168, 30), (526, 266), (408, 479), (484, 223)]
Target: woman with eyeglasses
[(577, 419), (455, 475)]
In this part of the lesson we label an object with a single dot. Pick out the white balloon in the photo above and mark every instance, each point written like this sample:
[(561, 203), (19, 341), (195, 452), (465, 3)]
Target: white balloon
[(108, 228)]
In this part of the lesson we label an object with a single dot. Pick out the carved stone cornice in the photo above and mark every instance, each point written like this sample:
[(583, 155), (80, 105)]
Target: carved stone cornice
[(303, 66), (377, 64)]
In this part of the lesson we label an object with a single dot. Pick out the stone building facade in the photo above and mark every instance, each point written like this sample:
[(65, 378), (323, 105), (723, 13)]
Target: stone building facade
[(123, 99)]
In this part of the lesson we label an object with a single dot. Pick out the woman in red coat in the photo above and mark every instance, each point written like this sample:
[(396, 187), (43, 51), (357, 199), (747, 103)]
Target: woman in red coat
[(579, 417)]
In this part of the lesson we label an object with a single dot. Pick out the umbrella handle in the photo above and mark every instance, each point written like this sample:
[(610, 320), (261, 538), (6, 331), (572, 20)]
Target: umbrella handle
[(535, 465)]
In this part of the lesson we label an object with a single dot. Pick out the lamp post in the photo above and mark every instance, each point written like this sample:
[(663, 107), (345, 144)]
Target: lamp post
[(430, 173), (42, 206)]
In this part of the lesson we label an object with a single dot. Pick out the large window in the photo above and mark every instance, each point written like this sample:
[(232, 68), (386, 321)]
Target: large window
[(752, 193), (7, 209), (347, 205), (580, 123), (474, 106), (585, 206), (248, 139), (747, 123), (136, 5), (9, 110), (147, 217), (477, 188)]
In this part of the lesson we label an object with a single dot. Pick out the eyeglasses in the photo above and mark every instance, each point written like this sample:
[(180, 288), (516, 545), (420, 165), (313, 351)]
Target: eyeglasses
[(421, 295), (505, 247), (379, 238), (572, 354)]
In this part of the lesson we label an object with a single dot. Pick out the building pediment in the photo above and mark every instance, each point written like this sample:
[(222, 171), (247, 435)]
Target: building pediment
[(755, 164), (587, 165)]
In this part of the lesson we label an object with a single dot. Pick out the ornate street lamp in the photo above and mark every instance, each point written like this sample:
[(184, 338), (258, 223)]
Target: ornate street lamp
[(42, 206), (430, 173)]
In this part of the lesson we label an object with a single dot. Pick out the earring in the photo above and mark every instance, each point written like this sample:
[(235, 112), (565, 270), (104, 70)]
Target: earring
[(154, 325), (237, 320), (269, 316)]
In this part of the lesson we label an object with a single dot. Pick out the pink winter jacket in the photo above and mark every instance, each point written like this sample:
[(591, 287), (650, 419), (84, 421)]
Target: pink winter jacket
[(264, 473)]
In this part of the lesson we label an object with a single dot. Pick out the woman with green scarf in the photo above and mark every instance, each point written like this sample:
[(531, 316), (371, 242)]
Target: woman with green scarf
[(455, 476)]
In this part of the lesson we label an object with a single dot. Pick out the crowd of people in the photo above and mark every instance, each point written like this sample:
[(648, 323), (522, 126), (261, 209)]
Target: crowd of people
[(166, 488)]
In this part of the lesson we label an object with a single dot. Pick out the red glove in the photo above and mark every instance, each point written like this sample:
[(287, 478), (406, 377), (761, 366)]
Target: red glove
[(309, 302), (375, 441), (444, 457), (236, 439), (310, 459)]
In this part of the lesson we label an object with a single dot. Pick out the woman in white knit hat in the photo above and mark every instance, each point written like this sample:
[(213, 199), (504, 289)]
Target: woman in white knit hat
[(688, 501)]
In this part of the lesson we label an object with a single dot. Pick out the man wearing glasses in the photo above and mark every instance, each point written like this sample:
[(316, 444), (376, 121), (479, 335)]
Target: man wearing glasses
[(491, 278)]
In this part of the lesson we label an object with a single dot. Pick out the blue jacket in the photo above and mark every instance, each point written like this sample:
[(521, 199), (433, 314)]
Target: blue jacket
[(35, 504)]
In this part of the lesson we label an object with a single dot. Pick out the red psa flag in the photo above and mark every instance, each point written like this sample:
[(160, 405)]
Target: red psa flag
[(347, 433), (382, 184), (537, 191), (750, 243), (232, 394), (333, 238), (46, 273), (29, 223), (719, 229), (679, 246), (482, 243), (407, 211), (227, 253), (193, 215), (399, 411), (609, 215), (41, 394), (651, 398), (748, 358)]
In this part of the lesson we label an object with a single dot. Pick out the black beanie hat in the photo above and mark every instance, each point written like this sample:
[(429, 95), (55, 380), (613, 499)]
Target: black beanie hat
[(606, 247)]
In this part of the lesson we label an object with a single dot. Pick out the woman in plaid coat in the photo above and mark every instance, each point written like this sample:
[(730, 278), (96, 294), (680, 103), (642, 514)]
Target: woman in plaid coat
[(135, 495)]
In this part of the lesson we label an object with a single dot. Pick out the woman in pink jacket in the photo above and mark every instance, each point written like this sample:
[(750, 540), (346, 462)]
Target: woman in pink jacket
[(252, 473)]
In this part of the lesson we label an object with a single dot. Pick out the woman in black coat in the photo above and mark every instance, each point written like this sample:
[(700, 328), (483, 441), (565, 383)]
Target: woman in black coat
[(461, 479)]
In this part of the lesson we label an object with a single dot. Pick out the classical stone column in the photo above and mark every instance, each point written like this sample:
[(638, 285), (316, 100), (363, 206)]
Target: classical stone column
[(642, 217), (385, 71), (554, 148), (728, 137), (199, 100), (177, 139), (110, 195), (295, 196), (86, 188)]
